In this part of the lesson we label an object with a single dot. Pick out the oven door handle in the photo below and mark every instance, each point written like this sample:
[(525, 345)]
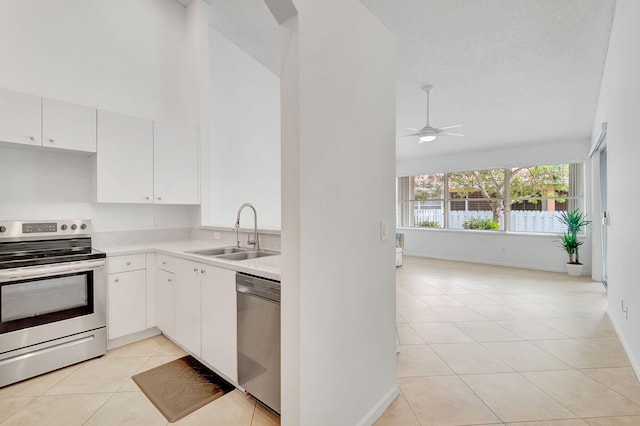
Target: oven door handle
[(48, 270)]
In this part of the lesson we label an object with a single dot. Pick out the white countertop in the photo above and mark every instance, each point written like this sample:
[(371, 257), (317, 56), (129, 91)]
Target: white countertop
[(267, 266)]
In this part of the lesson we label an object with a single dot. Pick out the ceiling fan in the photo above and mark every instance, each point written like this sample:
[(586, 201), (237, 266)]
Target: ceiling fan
[(428, 133)]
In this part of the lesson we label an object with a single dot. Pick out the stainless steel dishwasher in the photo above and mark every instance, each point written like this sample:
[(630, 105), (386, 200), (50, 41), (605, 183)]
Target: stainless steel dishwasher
[(259, 338)]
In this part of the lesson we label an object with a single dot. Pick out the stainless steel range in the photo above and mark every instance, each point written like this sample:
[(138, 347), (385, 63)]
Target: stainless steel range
[(52, 297)]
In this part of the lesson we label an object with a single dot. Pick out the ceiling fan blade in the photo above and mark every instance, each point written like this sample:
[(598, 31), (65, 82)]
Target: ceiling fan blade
[(452, 134), (450, 127), (413, 134), (411, 128)]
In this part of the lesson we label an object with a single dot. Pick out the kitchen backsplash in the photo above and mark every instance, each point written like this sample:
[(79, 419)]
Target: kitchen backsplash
[(269, 241)]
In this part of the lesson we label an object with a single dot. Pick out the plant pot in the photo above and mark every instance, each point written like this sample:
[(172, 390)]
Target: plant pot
[(574, 269)]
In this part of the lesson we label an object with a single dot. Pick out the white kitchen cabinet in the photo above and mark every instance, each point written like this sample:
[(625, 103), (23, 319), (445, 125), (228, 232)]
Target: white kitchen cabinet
[(165, 307), (68, 126), (187, 305), (124, 162), (20, 118), (126, 295), (127, 303), (219, 320), (175, 158)]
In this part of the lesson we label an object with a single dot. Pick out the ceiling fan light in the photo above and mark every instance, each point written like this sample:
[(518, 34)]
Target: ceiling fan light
[(427, 138)]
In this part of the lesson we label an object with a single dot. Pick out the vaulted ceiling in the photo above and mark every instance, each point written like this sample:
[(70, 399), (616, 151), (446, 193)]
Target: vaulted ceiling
[(511, 71)]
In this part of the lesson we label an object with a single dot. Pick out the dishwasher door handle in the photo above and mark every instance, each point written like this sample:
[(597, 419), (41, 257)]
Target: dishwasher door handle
[(272, 295)]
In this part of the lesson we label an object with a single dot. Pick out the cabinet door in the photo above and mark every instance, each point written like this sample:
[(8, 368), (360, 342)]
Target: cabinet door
[(20, 118), (187, 305), (68, 126), (124, 163), (165, 303), (175, 156), (219, 334), (127, 303)]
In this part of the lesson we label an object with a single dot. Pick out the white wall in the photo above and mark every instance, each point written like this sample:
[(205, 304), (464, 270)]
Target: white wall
[(497, 248), (541, 252), (338, 276), (520, 155), (244, 145), (619, 106), (119, 55)]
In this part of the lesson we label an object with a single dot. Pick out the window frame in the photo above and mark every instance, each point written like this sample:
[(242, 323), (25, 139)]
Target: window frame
[(576, 198)]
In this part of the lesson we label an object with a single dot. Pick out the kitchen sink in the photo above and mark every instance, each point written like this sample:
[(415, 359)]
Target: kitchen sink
[(233, 253), (247, 255), (220, 250)]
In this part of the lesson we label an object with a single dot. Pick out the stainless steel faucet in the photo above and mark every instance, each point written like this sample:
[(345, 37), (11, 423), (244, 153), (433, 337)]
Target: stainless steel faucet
[(255, 242)]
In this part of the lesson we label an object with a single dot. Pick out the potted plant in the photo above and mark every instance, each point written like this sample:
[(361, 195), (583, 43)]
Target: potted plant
[(575, 221)]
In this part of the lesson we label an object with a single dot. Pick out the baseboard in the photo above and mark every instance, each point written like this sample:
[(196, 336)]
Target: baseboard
[(625, 344), (380, 407), (132, 338)]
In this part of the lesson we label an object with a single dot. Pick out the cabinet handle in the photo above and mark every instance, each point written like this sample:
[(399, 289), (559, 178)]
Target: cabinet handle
[(117, 280), (32, 138), (146, 197), (170, 280), (195, 269), (202, 271), (51, 140), (159, 198), (164, 262), (128, 263)]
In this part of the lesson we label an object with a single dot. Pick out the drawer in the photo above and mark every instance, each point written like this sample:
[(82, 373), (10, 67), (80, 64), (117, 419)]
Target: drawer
[(126, 263), (166, 263)]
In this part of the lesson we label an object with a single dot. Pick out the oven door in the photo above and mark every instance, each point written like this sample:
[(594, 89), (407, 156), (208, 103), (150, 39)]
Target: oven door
[(43, 303)]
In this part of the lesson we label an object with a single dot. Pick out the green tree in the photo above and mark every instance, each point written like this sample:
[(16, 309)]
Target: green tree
[(523, 182), (429, 187)]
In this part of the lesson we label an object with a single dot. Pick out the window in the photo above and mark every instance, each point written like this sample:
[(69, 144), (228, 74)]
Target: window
[(517, 199)]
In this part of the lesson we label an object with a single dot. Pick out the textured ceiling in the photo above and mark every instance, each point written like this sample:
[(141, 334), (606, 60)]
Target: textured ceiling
[(511, 71)]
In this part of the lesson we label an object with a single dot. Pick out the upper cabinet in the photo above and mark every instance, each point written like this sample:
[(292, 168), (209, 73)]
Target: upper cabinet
[(32, 120), (139, 162), (21, 118), (124, 164), (175, 160), (68, 126)]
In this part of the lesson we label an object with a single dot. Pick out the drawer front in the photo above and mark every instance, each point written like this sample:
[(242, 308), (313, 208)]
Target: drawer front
[(126, 263), (166, 263)]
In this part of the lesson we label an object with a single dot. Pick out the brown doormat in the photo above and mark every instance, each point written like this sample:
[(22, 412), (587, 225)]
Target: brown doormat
[(180, 387)]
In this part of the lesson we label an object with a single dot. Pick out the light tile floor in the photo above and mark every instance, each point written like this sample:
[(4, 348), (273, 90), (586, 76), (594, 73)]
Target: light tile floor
[(481, 345), (486, 345), (101, 392)]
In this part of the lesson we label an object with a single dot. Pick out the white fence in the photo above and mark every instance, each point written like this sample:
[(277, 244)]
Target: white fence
[(519, 220)]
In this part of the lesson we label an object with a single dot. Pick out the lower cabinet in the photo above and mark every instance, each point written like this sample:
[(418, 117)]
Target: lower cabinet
[(126, 295), (187, 304), (219, 335), (127, 301), (196, 307), (165, 302)]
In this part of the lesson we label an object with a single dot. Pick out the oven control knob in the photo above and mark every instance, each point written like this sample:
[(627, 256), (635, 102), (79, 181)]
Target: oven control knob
[(63, 227), (3, 228), (83, 226), (74, 226)]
